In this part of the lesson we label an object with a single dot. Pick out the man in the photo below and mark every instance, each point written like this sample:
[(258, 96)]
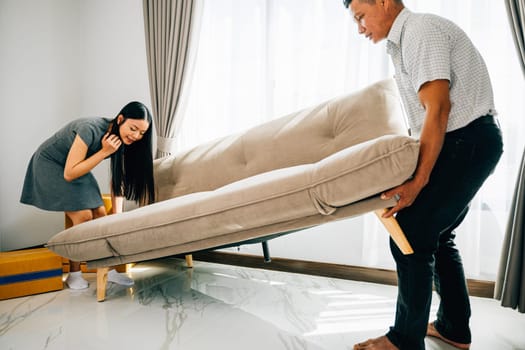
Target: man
[(447, 93)]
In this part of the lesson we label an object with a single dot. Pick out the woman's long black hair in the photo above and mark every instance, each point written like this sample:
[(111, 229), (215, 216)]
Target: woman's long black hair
[(132, 165)]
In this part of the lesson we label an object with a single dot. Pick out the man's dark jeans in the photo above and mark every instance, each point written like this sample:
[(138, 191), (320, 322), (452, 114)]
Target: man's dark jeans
[(469, 155)]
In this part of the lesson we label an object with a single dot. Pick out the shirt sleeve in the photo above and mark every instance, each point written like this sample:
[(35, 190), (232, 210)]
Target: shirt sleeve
[(87, 133), (427, 54)]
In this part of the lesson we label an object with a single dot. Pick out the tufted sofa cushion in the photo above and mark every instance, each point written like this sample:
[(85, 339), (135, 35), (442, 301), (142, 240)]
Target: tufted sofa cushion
[(302, 137), (321, 164)]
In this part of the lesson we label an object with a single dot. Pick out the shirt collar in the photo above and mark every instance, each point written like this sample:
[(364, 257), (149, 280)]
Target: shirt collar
[(394, 36)]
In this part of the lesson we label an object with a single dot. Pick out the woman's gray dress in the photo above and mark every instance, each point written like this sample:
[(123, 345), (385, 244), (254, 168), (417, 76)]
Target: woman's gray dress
[(44, 184)]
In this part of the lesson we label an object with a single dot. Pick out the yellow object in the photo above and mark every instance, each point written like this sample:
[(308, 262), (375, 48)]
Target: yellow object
[(29, 271), (107, 203)]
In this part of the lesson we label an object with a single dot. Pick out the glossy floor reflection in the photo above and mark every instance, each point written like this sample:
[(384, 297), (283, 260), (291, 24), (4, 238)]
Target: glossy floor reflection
[(216, 306)]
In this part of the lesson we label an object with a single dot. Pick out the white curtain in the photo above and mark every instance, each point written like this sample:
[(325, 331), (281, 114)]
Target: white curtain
[(261, 59), (510, 282), (171, 30)]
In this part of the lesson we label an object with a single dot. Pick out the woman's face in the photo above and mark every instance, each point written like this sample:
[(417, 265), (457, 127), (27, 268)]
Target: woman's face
[(131, 130)]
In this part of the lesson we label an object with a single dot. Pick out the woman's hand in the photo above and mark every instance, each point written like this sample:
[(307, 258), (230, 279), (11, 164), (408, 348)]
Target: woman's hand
[(110, 144)]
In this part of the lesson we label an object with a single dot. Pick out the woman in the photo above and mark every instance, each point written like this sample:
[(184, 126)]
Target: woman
[(59, 175)]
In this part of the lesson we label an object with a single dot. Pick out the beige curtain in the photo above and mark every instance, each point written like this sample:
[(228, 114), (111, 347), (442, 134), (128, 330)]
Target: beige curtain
[(171, 30), (510, 283)]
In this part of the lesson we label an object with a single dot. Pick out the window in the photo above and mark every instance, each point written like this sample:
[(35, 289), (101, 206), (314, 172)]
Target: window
[(261, 59)]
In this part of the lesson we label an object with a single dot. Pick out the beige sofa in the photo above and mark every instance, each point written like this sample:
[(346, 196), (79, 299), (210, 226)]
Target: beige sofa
[(314, 166)]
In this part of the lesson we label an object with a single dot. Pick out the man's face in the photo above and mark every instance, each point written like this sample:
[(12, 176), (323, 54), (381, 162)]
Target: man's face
[(372, 20)]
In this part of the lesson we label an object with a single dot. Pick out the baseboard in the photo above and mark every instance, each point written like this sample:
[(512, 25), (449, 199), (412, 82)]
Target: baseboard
[(477, 288)]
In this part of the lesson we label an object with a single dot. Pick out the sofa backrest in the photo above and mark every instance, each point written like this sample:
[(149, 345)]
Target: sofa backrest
[(303, 137)]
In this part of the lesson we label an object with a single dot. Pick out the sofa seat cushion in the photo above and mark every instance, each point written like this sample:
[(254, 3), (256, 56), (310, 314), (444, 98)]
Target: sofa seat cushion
[(281, 195)]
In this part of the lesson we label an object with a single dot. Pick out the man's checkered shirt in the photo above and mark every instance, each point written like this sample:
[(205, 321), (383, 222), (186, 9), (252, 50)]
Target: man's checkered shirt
[(425, 47)]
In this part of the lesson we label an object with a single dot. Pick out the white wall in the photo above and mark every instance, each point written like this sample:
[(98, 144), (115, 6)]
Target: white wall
[(60, 60)]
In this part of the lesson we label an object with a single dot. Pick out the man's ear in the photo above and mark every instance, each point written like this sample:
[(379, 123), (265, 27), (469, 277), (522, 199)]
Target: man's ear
[(390, 4), (386, 5)]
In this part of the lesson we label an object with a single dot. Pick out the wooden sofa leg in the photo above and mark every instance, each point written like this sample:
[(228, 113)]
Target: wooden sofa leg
[(395, 232), (189, 260), (102, 280)]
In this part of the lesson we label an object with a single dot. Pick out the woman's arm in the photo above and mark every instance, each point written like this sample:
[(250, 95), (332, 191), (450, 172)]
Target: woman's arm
[(117, 204), (78, 165)]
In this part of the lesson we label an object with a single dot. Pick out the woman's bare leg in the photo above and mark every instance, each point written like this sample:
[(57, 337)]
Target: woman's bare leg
[(78, 217)]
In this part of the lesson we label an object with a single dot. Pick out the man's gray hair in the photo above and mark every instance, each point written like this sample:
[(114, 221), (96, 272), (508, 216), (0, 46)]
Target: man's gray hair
[(346, 3)]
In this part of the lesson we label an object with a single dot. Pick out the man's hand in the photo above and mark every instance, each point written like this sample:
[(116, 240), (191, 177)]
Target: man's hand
[(405, 195)]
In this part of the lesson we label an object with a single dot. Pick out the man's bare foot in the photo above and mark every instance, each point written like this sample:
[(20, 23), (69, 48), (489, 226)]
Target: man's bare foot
[(432, 332), (381, 343)]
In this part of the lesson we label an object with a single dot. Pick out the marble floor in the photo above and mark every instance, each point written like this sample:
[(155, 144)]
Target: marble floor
[(216, 306)]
